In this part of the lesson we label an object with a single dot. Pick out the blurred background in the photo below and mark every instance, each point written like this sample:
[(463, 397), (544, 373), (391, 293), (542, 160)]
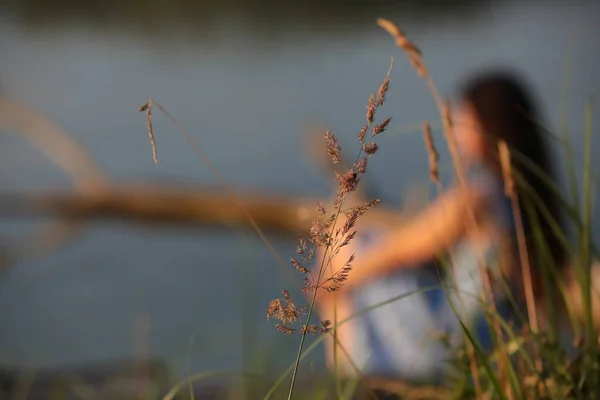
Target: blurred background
[(249, 79)]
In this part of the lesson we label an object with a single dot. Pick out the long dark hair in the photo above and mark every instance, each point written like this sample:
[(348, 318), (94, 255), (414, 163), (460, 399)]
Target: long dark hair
[(506, 111)]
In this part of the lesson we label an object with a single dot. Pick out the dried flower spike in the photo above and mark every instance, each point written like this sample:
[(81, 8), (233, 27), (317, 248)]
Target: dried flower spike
[(432, 152), (370, 148), (326, 326), (412, 51), (325, 231), (284, 329), (361, 166), (147, 107), (381, 127), (362, 132), (299, 267), (308, 286), (505, 164), (309, 329), (384, 86), (333, 148), (371, 109), (302, 245), (347, 183), (321, 210), (361, 210)]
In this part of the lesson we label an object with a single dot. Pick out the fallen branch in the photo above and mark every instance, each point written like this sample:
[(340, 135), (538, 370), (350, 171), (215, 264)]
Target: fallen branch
[(199, 207)]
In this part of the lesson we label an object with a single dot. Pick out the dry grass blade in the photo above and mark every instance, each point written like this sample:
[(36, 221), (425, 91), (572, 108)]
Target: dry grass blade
[(223, 183), (54, 143), (505, 163), (68, 155)]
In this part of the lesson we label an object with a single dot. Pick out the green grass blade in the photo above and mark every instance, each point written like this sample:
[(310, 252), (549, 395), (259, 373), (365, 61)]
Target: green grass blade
[(481, 358), (206, 375), (586, 242), (566, 134)]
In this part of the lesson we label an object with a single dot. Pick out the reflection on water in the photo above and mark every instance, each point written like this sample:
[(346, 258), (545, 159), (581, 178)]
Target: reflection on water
[(248, 102), (200, 15)]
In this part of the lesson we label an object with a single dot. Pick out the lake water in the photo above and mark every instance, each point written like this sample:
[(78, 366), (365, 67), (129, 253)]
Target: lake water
[(248, 98)]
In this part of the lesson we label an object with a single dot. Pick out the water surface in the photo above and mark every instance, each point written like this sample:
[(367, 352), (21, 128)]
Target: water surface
[(248, 97)]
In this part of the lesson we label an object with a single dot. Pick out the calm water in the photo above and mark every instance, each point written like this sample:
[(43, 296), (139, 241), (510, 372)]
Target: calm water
[(248, 99)]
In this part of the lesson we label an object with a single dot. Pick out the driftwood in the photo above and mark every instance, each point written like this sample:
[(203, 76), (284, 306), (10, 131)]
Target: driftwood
[(199, 207)]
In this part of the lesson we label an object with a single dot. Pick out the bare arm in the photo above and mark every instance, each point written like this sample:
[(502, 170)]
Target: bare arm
[(432, 231)]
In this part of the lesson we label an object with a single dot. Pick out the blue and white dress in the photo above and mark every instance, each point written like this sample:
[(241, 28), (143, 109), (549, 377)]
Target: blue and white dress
[(401, 338)]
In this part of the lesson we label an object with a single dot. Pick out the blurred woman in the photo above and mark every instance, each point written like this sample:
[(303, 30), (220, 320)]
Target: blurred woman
[(402, 339)]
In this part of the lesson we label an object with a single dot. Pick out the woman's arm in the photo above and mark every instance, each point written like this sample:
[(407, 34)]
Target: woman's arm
[(432, 231)]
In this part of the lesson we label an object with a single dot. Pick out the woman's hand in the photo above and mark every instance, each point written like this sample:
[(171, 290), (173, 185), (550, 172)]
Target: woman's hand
[(428, 234)]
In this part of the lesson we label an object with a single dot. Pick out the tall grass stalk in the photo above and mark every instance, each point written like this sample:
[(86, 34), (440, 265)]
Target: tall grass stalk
[(328, 254), (505, 160), (330, 235)]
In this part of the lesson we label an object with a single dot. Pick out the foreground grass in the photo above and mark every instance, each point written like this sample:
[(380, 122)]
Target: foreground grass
[(532, 363), (529, 363)]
